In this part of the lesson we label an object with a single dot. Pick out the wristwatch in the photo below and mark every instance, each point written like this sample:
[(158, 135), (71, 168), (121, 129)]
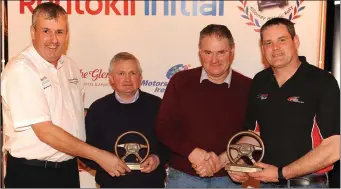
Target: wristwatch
[(280, 174)]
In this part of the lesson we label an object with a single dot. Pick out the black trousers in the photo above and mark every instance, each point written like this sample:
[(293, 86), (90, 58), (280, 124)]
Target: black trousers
[(21, 175), (334, 176)]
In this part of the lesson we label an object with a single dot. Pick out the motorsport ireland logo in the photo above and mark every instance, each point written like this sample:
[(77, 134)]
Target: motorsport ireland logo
[(160, 86), (256, 13)]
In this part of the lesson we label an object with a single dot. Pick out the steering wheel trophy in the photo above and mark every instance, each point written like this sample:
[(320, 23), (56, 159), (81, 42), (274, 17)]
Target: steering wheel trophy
[(132, 149), (244, 150)]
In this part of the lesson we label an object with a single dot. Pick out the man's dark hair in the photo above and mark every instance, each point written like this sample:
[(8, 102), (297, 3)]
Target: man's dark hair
[(220, 31), (277, 21), (49, 10)]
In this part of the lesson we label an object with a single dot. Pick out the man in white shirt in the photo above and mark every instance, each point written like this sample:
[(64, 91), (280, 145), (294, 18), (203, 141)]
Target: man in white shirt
[(42, 95)]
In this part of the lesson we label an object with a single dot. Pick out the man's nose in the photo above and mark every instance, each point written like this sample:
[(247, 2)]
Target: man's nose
[(127, 77), (275, 46), (54, 38), (214, 58)]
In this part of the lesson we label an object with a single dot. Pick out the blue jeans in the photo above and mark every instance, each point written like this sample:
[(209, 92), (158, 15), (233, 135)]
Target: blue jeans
[(178, 179), (313, 185)]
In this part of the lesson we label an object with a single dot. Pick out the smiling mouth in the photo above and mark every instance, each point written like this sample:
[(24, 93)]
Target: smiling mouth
[(277, 55), (52, 47), (215, 65)]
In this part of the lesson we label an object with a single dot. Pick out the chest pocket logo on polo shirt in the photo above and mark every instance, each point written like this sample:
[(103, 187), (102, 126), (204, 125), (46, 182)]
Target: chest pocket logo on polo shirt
[(262, 96), (74, 81), (295, 99), (45, 82)]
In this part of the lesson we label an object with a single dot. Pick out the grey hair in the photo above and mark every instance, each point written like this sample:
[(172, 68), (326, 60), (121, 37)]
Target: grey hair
[(49, 10), (124, 56), (220, 31)]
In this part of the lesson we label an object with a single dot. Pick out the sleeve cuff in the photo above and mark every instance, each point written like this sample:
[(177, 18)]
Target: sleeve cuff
[(24, 125)]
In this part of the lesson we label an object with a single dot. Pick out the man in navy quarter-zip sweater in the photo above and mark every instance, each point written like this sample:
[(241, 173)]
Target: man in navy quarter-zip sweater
[(127, 109)]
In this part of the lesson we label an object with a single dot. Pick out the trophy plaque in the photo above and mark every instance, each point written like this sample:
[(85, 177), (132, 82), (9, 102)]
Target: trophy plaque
[(133, 149), (244, 151)]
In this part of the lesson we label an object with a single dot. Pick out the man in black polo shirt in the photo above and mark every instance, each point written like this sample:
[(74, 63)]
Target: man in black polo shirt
[(295, 107)]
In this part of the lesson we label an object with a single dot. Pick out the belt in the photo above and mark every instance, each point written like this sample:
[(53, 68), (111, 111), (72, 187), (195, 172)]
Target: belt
[(41, 163), (304, 180)]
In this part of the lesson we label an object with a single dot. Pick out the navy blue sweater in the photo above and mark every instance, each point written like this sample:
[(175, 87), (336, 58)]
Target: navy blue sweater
[(107, 119)]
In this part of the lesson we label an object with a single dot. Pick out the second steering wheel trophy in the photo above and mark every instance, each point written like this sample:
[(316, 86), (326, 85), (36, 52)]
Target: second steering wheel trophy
[(244, 150), (133, 149)]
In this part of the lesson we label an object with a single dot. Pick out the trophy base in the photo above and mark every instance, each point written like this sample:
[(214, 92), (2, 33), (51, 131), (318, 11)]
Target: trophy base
[(242, 168), (134, 166)]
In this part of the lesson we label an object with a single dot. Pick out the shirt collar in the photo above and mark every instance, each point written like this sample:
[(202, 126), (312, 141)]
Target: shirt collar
[(120, 100), (227, 79)]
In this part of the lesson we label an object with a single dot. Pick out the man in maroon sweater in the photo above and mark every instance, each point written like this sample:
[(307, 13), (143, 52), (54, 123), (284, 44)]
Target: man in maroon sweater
[(201, 110)]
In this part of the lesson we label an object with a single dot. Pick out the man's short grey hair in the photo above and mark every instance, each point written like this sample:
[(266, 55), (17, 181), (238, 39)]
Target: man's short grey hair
[(49, 10), (124, 56), (217, 30)]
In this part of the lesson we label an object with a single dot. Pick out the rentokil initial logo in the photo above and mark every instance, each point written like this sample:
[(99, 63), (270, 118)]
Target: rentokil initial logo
[(129, 7), (187, 8)]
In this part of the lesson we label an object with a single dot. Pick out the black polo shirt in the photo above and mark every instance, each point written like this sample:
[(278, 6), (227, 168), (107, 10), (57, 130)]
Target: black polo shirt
[(294, 118)]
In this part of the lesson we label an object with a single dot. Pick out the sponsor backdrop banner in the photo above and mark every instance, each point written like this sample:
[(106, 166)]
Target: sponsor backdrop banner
[(163, 35)]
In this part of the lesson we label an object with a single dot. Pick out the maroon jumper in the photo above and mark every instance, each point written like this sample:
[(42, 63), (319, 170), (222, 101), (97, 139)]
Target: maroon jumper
[(204, 115)]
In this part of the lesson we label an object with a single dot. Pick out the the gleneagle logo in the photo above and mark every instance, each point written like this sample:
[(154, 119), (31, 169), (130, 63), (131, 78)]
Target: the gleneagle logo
[(160, 86), (256, 13), (128, 7), (95, 77)]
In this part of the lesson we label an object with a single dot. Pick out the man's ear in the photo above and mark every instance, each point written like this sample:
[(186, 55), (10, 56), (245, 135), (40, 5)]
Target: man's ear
[(297, 42), (232, 52), (33, 32), (111, 80)]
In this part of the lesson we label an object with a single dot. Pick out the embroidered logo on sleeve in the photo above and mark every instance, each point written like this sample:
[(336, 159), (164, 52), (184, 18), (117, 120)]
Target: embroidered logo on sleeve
[(262, 96), (45, 82), (74, 81), (295, 99)]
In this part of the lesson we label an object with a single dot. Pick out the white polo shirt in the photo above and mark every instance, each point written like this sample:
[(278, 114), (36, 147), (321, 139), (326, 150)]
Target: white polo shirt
[(34, 91)]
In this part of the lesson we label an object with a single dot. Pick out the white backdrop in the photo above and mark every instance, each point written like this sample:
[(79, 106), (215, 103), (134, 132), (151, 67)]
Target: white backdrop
[(163, 35)]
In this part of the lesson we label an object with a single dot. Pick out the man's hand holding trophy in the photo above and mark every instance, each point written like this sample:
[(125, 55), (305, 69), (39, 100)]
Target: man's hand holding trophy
[(242, 156), (238, 159)]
